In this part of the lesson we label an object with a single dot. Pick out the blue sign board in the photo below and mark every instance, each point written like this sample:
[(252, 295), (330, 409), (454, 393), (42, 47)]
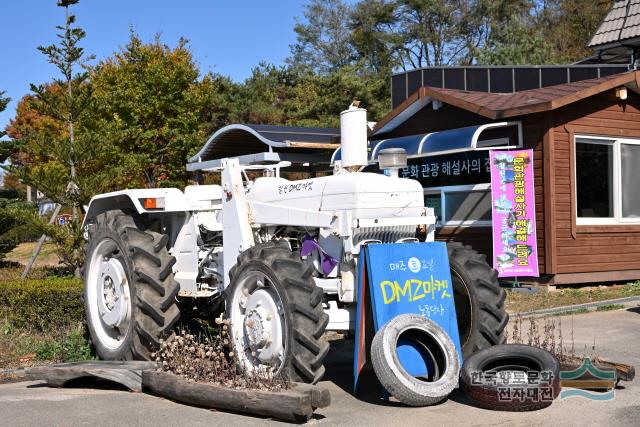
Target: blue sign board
[(406, 278)]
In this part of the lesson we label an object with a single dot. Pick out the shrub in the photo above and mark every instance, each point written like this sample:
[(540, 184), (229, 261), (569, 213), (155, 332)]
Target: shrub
[(13, 228), (42, 304)]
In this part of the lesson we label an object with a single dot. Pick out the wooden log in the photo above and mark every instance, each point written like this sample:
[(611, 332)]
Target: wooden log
[(294, 405), (127, 373), (623, 372), (12, 376), (320, 396)]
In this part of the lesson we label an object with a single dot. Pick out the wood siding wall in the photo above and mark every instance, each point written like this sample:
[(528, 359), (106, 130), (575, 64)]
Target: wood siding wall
[(590, 249)]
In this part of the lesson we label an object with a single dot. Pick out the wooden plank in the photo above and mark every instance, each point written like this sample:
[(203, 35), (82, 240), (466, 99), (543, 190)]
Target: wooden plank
[(616, 115), (610, 124), (603, 249), (294, 405), (608, 241), (600, 131), (598, 267), (549, 200), (127, 373), (595, 277), (602, 257), (615, 228), (572, 194), (316, 145)]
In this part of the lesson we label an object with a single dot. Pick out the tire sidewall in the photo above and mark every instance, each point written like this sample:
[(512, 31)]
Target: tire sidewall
[(487, 395), (419, 392), (472, 296), (243, 271), (102, 351)]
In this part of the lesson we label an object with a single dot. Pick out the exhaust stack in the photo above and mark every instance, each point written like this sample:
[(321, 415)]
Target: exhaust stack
[(353, 138)]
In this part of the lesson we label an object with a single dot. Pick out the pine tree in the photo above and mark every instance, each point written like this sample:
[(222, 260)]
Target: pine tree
[(3, 105), (67, 107)]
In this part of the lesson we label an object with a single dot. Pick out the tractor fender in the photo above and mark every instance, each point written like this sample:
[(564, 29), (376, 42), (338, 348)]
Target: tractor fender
[(133, 200)]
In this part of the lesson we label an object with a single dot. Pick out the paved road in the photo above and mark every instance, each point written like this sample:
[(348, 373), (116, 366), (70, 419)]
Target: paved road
[(617, 336)]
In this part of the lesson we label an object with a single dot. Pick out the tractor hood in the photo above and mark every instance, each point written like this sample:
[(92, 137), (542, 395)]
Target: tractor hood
[(367, 195)]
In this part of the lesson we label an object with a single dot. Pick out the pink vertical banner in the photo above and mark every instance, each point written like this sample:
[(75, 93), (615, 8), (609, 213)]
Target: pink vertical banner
[(515, 249)]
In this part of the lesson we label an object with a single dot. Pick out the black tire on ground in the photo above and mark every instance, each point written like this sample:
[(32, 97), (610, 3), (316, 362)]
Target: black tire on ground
[(479, 300), (536, 390), (393, 377), (152, 287), (305, 344)]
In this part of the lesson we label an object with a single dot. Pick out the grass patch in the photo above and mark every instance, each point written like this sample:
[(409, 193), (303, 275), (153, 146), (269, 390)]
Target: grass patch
[(23, 347), (609, 307), (518, 302)]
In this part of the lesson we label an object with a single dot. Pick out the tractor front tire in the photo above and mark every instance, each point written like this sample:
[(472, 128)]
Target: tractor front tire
[(276, 314), (479, 300), (130, 292)]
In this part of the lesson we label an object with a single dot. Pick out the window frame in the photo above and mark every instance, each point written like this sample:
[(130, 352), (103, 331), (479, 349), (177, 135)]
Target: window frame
[(616, 143), (442, 191)]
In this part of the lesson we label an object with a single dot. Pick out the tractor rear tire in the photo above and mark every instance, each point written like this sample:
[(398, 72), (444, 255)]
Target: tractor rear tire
[(146, 289), (479, 300), (286, 282)]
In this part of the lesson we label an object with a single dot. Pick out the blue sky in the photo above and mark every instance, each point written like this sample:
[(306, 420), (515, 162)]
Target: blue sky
[(226, 36)]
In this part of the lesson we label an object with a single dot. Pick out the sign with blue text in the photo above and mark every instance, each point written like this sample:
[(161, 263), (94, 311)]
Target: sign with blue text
[(406, 278)]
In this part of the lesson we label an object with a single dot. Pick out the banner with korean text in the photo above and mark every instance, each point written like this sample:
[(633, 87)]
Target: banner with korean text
[(515, 250)]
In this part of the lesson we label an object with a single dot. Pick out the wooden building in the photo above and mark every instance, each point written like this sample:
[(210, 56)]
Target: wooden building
[(586, 140)]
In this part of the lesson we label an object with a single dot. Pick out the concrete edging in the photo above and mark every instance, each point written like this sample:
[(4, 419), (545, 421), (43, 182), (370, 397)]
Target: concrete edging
[(627, 302)]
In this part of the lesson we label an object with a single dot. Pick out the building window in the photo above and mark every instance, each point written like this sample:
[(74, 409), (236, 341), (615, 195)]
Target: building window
[(606, 180), (464, 205), (630, 178), (594, 178)]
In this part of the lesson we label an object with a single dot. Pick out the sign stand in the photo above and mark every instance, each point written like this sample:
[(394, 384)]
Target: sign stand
[(403, 278)]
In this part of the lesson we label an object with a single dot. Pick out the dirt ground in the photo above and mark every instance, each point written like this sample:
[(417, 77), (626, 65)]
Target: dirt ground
[(617, 336), (540, 298), (22, 253)]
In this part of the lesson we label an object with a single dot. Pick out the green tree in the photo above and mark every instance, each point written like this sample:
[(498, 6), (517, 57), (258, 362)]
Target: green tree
[(6, 147), (568, 25), (42, 150), (263, 98), (3, 106), (149, 112), (13, 228), (516, 40), (68, 105), (374, 35), (324, 37)]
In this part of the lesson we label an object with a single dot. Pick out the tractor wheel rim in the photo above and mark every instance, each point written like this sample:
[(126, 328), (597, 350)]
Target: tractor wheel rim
[(108, 295), (258, 324)]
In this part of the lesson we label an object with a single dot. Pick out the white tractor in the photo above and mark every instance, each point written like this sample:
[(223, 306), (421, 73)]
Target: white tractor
[(278, 257)]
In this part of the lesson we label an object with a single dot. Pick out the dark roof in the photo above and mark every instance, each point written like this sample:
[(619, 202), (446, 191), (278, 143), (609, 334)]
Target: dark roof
[(621, 23), (239, 139), (504, 105), (506, 78)]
